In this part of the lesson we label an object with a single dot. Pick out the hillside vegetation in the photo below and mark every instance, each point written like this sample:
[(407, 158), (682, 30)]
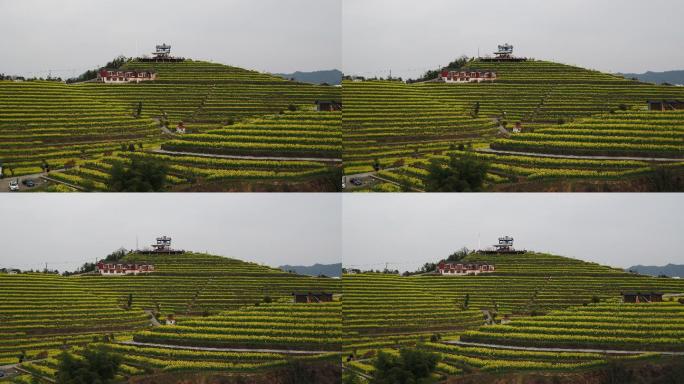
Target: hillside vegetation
[(225, 110), (550, 301), (564, 111), (217, 302)]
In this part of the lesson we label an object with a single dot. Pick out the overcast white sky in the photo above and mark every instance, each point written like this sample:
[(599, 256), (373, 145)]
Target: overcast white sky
[(408, 230), (410, 36), (270, 228), (70, 36)]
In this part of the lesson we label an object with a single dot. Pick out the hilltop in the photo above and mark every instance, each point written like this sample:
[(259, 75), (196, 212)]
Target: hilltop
[(540, 125), (530, 300), (213, 301), (234, 117)]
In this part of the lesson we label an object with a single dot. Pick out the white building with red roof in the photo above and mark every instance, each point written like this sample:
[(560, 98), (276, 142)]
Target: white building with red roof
[(116, 76), (466, 76), (461, 269), (120, 269)]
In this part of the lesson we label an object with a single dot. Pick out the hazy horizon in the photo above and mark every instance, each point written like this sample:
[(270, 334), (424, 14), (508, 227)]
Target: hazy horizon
[(626, 36), (406, 231), (66, 231), (68, 37)]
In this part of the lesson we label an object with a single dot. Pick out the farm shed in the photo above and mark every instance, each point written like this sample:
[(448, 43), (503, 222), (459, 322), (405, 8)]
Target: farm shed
[(328, 106), (665, 105), (639, 297), (310, 297)]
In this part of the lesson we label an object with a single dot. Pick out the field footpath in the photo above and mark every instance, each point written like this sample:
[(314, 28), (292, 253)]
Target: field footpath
[(212, 349), (275, 158), (583, 157), (584, 350)]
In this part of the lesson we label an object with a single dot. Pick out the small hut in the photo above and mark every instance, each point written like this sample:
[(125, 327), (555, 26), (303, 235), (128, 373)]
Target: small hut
[(310, 297), (642, 297)]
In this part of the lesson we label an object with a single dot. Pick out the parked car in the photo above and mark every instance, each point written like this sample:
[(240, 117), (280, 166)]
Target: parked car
[(2, 373), (29, 183), (356, 181), (14, 185)]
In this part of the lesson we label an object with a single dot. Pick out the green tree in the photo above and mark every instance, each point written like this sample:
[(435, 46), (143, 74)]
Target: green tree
[(332, 179), (129, 303), (462, 174), (458, 255), (98, 366), (138, 109), (466, 302), (412, 366), (476, 109), (142, 175)]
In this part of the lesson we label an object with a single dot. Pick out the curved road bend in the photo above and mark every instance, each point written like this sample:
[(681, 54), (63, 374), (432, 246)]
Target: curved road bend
[(171, 346), (277, 158), (489, 150), (585, 350)]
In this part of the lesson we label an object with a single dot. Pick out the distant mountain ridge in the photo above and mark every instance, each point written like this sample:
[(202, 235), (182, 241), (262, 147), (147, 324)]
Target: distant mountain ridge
[(671, 77), (671, 270), (330, 270), (332, 77)]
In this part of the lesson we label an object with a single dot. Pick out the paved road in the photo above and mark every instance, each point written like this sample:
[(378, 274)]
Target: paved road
[(276, 158), (366, 175), (284, 351), (4, 183), (586, 350), (489, 150)]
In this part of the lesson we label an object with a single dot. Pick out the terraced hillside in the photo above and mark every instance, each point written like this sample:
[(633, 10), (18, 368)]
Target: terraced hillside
[(227, 111), (315, 327), (391, 122), (569, 116), (544, 92), (43, 312), (628, 326), (50, 122), (293, 146), (250, 340), (440, 309), (218, 302), (198, 284), (637, 133)]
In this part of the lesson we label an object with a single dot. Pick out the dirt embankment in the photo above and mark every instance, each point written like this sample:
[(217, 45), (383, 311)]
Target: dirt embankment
[(321, 373), (662, 371)]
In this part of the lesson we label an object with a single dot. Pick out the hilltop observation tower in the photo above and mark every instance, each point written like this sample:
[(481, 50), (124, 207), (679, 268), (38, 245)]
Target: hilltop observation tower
[(505, 245), (163, 245), (162, 53), (504, 52)]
